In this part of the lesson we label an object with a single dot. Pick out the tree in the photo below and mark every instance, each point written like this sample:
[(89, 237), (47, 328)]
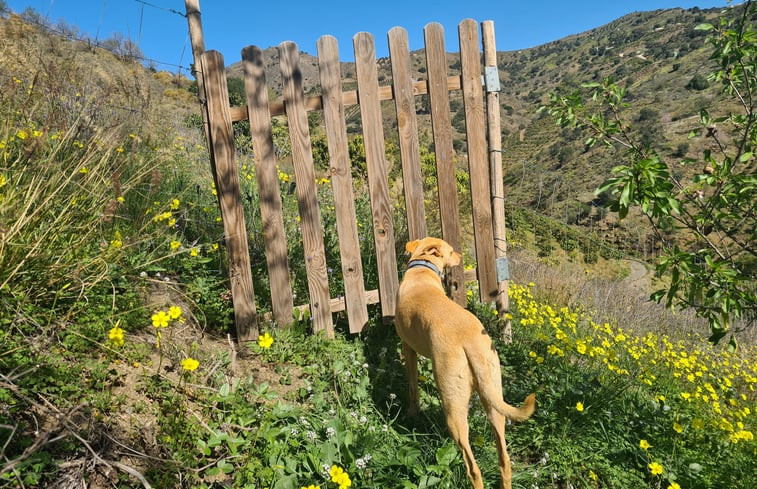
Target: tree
[(710, 258)]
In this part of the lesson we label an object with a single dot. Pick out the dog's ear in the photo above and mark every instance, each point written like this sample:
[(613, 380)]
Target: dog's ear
[(454, 259), (411, 246), (433, 250)]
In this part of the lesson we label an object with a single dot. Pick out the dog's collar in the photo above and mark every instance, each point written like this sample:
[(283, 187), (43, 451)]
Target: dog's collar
[(424, 264)]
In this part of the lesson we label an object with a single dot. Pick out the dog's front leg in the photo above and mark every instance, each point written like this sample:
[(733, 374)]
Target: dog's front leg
[(411, 364)]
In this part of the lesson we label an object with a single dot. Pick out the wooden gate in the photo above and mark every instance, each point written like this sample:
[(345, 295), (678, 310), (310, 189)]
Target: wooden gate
[(484, 164)]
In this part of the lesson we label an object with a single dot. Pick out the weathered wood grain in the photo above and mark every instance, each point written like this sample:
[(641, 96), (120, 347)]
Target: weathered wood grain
[(373, 136), (274, 237), (407, 126), (478, 161), (307, 198), (229, 195), (441, 125), (341, 182)]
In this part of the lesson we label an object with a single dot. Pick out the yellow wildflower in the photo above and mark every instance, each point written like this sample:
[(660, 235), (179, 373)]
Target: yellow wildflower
[(116, 336), (339, 476), (655, 468), (175, 245), (190, 364), (644, 444), (579, 406), (265, 340), (160, 319), (174, 312)]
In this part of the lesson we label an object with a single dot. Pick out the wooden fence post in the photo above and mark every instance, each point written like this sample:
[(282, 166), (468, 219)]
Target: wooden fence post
[(407, 126), (375, 158), (341, 182), (194, 22), (478, 161), (491, 75), (307, 197), (235, 232), (271, 214), (441, 127)]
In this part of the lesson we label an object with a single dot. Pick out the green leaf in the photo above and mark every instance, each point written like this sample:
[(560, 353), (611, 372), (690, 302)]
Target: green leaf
[(704, 117), (225, 466), (446, 454), (704, 27)]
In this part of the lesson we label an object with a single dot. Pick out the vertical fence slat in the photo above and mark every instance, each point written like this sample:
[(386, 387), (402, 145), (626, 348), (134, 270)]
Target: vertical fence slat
[(373, 134), (229, 194), (307, 198), (194, 22), (496, 171), (271, 214), (341, 181), (441, 125), (478, 160), (407, 126)]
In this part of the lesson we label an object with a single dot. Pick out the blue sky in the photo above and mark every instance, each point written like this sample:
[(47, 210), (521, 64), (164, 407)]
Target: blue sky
[(231, 25)]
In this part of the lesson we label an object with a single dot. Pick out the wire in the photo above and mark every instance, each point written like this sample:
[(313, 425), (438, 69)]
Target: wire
[(161, 8), (141, 16), (99, 45), (102, 17)]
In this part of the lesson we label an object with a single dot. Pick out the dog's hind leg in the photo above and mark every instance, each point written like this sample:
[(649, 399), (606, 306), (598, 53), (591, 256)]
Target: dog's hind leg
[(498, 421), (411, 365), (455, 385)]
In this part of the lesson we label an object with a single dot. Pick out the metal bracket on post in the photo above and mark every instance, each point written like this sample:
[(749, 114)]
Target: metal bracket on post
[(503, 270), (491, 78)]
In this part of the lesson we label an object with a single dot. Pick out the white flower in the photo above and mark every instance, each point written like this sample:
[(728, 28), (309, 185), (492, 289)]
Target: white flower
[(330, 432)]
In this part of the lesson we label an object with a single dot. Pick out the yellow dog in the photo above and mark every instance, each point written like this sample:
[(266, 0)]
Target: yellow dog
[(462, 354)]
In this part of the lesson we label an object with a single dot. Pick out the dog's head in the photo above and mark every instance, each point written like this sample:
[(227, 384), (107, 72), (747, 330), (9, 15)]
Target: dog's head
[(434, 250)]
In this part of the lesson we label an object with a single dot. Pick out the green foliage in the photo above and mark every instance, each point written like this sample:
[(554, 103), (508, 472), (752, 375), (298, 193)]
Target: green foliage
[(710, 259), (698, 82)]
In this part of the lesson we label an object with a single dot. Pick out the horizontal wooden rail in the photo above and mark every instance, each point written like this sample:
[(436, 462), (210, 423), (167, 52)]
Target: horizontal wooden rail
[(371, 297), (350, 98)]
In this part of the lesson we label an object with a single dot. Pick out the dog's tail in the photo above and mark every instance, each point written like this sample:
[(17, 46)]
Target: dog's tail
[(487, 374), (518, 414)]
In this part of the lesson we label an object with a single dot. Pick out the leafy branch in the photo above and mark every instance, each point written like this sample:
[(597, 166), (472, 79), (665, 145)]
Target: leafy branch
[(706, 217)]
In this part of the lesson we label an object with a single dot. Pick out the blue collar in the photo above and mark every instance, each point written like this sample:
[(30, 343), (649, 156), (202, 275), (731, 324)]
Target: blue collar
[(424, 264)]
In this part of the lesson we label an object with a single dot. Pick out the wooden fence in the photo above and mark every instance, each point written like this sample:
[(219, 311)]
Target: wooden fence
[(484, 164)]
